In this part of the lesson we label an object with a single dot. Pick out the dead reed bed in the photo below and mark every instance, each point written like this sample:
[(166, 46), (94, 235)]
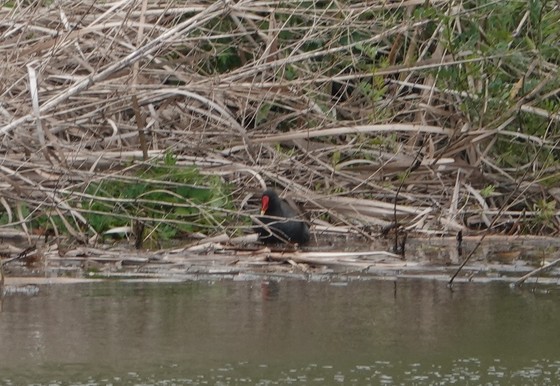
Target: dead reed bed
[(437, 116)]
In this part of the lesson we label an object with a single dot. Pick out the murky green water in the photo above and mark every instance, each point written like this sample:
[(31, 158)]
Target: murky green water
[(288, 332)]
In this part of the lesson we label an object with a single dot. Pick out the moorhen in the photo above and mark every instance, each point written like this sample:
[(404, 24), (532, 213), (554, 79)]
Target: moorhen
[(285, 227)]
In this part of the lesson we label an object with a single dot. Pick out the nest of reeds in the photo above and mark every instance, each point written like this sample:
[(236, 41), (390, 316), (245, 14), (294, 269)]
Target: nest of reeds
[(435, 117)]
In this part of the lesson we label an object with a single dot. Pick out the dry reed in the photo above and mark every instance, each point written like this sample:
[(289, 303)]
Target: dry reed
[(338, 104)]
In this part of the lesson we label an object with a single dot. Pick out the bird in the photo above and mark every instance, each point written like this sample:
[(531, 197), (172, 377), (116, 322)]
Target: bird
[(281, 223)]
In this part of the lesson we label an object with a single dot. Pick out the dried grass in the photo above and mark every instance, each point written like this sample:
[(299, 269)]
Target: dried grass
[(91, 90)]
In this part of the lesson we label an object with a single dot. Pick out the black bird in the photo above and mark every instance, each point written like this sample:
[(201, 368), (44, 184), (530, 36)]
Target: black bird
[(281, 221)]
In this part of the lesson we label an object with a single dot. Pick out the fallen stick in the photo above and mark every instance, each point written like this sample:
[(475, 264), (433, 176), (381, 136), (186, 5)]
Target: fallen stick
[(536, 272)]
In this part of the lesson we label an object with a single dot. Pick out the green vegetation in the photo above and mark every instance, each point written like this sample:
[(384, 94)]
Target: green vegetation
[(173, 201), (169, 200)]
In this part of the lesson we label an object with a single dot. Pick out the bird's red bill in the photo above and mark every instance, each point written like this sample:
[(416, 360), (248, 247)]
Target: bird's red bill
[(264, 204)]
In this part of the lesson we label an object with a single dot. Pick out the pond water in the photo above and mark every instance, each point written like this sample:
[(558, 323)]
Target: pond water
[(281, 332)]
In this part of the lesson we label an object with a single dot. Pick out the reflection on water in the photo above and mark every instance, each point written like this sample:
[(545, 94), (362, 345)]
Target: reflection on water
[(374, 332)]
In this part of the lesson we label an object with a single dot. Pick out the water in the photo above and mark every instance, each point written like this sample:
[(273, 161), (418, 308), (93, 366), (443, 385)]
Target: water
[(287, 332)]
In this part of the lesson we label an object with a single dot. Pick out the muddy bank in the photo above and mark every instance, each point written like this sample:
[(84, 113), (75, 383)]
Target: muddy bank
[(497, 258)]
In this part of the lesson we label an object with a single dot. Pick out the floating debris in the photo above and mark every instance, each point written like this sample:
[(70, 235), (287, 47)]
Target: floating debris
[(27, 290)]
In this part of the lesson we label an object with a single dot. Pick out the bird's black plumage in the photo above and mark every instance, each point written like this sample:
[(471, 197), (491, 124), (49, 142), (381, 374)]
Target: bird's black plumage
[(281, 220)]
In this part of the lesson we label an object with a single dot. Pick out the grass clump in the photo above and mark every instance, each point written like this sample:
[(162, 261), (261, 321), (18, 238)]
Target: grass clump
[(171, 201)]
